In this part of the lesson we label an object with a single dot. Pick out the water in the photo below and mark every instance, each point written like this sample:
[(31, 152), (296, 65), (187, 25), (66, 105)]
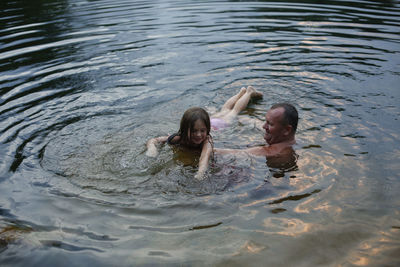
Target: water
[(84, 84)]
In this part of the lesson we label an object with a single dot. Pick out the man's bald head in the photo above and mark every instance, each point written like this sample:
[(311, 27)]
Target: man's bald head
[(290, 116)]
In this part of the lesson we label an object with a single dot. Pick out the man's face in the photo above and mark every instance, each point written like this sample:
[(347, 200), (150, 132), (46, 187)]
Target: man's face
[(275, 131)]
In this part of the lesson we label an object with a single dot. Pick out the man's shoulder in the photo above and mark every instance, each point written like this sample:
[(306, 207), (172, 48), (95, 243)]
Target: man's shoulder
[(261, 150), (270, 150)]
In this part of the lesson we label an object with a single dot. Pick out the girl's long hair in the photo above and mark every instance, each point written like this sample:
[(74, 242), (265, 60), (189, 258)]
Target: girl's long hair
[(188, 120)]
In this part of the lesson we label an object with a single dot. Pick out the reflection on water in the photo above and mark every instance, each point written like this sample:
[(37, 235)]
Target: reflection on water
[(84, 84)]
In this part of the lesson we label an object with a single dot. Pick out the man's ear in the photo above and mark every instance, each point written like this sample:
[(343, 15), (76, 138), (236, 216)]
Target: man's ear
[(288, 130)]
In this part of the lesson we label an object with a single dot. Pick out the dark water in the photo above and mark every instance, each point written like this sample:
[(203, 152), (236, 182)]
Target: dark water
[(84, 84)]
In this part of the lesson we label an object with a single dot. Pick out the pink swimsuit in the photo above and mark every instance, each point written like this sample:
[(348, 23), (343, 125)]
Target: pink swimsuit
[(218, 123)]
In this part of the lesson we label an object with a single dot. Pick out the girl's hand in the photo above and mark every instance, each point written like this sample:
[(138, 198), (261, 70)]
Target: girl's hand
[(204, 158), (200, 176), (152, 151), (151, 145)]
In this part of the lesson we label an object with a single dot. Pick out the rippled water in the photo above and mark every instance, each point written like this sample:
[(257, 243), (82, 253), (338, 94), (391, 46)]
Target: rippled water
[(84, 84)]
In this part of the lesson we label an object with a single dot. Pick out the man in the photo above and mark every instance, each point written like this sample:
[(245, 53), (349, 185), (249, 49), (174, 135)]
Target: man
[(280, 128)]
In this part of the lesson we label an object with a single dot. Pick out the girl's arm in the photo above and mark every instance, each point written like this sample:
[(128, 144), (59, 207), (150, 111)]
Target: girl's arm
[(151, 145), (204, 159)]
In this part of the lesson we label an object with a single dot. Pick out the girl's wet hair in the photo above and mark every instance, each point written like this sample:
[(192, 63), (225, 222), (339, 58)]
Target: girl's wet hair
[(188, 120)]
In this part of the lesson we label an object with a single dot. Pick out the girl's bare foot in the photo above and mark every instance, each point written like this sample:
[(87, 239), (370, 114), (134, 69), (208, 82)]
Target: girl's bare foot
[(254, 93), (242, 91)]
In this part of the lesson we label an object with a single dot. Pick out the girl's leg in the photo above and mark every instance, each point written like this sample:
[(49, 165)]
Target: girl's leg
[(230, 103), (237, 103), (243, 101)]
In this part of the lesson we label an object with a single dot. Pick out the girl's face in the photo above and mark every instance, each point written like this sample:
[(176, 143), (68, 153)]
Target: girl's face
[(199, 133)]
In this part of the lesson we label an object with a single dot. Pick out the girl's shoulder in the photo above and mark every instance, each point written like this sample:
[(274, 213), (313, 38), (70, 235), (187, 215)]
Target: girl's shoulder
[(173, 139)]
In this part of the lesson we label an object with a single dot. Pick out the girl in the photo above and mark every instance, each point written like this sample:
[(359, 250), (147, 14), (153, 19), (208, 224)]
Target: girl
[(194, 131), (233, 106), (193, 134)]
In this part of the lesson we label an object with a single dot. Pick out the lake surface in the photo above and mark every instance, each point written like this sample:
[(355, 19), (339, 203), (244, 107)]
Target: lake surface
[(84, 85)]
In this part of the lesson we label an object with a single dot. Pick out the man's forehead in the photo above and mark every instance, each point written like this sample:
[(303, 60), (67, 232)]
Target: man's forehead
[(275, 113)]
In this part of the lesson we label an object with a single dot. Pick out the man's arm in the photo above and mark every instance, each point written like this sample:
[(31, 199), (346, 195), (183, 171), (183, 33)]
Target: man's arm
[(224, 151), (255, 151)]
